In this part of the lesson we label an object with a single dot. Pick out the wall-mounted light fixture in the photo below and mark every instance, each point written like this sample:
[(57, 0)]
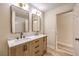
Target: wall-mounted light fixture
[(38, 13), (35, 11), (24, 6)]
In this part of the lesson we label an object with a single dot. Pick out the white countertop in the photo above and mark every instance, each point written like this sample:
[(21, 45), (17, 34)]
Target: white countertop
[(15, 42)]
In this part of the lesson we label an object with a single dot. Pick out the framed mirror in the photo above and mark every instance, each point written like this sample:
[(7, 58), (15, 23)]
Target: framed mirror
[(19, 20), (36, 23)]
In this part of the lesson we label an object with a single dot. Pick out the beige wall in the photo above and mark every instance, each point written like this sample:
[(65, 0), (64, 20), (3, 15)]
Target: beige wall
[(5, 28), (50, 22)]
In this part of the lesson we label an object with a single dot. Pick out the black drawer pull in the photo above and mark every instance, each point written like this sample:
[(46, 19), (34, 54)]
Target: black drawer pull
[(24, 47), (37, 41), (36, 46), (44, 40), (77, 39), (36, 51)]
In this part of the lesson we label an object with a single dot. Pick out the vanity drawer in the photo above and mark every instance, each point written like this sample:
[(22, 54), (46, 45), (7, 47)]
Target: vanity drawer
[(37, 53), (35, 47), (35, 41)]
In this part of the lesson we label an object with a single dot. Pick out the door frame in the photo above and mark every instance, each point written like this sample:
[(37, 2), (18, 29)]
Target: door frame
[(56, 47)]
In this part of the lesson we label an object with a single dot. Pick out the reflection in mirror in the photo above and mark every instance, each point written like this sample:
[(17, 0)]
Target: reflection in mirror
[(36, 23), (20, 20)]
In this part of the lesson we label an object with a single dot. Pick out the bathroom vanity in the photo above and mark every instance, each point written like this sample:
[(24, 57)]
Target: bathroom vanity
[(35, 45)]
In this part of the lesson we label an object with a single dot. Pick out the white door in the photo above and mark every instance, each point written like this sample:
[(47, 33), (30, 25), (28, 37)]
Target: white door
[(76, 29)]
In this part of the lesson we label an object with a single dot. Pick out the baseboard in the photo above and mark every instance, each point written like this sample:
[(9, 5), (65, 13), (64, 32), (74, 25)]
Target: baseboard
[(50, 46), (66, 47), (64, 44)]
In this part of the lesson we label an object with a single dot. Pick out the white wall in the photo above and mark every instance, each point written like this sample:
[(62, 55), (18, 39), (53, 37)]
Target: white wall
[(50, 22)]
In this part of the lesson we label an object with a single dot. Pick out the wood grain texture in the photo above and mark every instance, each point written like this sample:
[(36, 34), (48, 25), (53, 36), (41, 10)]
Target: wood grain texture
[(36, 47)]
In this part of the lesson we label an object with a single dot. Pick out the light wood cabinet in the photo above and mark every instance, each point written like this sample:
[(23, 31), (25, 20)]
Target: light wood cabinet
[(44, 49), (19, 50), (37, 47)]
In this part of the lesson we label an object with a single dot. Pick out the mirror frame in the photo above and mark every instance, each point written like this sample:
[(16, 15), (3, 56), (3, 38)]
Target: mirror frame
[(12, 8), (39, 18)]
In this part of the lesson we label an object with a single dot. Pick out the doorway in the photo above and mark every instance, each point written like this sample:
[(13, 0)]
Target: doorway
[(64, 34)]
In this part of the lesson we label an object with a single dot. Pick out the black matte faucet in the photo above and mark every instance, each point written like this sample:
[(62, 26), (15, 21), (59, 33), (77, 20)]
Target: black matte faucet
[(21, 35)]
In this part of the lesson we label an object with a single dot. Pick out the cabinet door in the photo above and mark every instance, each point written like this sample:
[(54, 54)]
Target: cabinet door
[(23, 50), (26, 49), (43, 44), (19, 50), (12, 51), (16, 51)]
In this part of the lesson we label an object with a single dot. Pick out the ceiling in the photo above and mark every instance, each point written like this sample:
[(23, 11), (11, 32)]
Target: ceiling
[(46, 6)]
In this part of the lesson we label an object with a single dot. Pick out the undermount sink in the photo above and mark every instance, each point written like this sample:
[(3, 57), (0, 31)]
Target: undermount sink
[(18, 40), (14, 42), (26, 38), (31, 37)]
